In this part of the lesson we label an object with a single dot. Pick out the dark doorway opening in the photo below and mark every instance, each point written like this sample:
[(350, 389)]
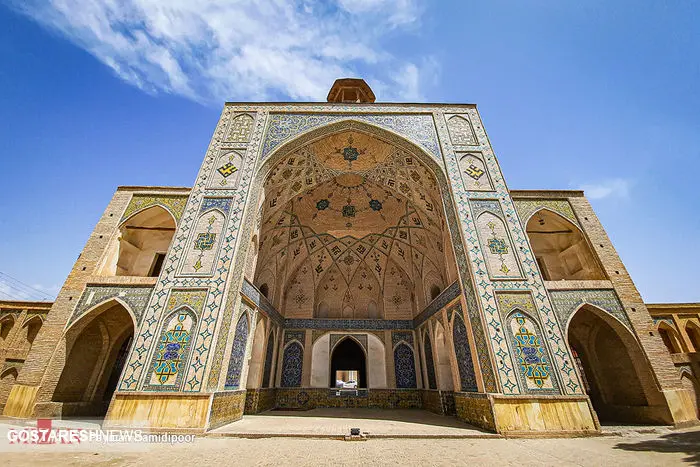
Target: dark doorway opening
[(349, 356)]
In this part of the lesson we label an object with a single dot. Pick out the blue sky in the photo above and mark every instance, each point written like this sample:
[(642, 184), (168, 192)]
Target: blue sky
[(591, 95)]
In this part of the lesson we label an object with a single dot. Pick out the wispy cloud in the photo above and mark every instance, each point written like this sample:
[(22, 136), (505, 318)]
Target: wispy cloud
[(214, 50), (610, 188)]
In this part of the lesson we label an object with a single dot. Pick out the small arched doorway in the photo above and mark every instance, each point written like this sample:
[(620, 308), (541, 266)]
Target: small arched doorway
[(604, 350), (97, 347), (348, 357)]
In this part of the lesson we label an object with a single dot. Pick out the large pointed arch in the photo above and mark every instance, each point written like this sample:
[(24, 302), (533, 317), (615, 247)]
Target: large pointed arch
[(607, 356), (561, 248), (95, 348), (140, 243)]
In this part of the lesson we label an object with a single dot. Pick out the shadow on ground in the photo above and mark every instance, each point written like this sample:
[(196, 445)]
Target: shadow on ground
[(687, 442)]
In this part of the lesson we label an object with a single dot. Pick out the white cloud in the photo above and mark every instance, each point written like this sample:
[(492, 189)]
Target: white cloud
[(218, 50), (611, 188)]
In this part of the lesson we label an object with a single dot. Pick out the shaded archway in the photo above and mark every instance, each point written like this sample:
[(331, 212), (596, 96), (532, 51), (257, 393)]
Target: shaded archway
[(560, 248), (670, 337), (693, 332), (7, 380), (690, 384), (607, 356), (97, 347), (348, 356), (140, 246)]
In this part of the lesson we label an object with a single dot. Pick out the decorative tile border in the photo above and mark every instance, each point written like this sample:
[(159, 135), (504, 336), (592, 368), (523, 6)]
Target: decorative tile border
[(445, 297), (527, 207), (175, 204), (286, 126), (349, 324), (136, 297), (566, 302)]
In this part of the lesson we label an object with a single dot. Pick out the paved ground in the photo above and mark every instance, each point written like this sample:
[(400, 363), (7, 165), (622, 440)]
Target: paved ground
[(676, 448), (337, 422), (627, 447)]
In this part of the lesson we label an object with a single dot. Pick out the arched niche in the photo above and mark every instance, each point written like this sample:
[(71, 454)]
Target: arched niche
[(429, 362), (7, 380), (97, 346), (292, 365), (234, 374), (560, 248), (140, 244), (348, 362), (612, 370), (257, 355), (344, 206), (270, 347), (6, 325), (693, 332), (670, 338), (444, 367)]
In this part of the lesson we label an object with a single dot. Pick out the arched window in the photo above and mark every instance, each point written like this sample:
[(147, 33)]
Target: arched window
[(693, 332), (560, 249), (141, 245)]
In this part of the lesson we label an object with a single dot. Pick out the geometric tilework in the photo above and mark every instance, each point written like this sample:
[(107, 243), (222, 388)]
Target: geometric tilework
[(360, 338), (398, 336), (429, 362), (532, 356), (404, 366), (567, 301), (173, 349), (501, 205), (292, 364), (294, 336), (175, 340), (463, 353), (240, 128), (416, 128), (175, 204), (136, 297), (445, 297), (461, 131), (235, 364), (136, 372), (508, 302), (527, 207)]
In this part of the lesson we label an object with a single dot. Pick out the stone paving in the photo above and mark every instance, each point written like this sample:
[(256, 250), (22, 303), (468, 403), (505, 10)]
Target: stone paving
[(676, 448), (337, 423)]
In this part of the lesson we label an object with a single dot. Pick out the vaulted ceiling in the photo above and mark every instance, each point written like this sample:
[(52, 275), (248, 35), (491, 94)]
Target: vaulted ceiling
[(353, 225)]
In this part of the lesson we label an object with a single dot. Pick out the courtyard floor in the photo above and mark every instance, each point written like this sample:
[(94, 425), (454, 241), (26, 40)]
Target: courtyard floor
[(420, 438), (334, 423), (675, 448)]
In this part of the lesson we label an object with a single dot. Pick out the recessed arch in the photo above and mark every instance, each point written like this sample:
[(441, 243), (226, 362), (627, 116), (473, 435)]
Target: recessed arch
[(690, 383), (6, 324), (561, 249), (7, 379), (670, 337), (348, 361), (97, 346), (606, 354), (304, 260), (140, 244), (693, 332)]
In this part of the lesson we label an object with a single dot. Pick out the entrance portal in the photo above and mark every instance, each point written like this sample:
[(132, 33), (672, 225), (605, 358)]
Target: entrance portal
[(348, 361), (97, 348), (603, 350)]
